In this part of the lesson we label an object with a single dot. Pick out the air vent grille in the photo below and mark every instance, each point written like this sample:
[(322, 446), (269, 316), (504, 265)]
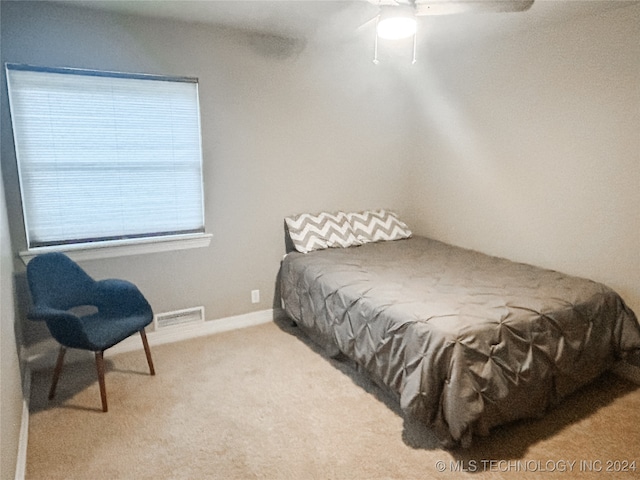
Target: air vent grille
[(179, 317)]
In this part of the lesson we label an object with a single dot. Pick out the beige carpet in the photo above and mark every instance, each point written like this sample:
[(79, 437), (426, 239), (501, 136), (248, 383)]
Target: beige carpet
[(262, 402)]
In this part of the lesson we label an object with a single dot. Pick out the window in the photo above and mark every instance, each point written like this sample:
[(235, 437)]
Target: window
[(106, 157)]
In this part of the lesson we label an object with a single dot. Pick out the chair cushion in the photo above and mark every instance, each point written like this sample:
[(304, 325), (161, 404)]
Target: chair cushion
[(104, 331)]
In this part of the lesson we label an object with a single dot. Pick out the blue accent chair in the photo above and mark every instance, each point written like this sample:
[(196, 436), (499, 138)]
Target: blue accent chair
[(113, 311)]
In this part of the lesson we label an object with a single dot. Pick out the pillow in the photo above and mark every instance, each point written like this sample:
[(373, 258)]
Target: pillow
[(377, 225), (310, 232)]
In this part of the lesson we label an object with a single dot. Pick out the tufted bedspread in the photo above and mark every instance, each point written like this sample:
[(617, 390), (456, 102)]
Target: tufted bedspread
[(467, 341)]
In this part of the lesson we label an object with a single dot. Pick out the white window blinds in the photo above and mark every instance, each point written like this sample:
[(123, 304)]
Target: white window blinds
[(106, 156)]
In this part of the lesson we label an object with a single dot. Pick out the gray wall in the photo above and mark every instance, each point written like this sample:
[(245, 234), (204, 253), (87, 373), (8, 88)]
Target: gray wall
[(531, 147), (10, 384), (286, 128), (11, 399)]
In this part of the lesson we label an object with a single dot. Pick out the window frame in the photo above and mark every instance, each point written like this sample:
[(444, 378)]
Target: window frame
[(123, 245)]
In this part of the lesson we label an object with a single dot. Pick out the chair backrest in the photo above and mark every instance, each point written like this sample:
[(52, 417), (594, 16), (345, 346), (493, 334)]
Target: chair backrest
[(57, 281)]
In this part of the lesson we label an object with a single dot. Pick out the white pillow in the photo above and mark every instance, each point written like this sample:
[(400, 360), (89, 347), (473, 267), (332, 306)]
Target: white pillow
[(377, 225), (310, 232)]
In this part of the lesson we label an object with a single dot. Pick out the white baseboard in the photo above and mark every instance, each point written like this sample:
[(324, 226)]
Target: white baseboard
[(23, 441), (184, 332), (44, 354)]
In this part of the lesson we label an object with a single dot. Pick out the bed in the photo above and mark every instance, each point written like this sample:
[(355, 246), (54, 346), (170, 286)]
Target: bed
[(466, 341)]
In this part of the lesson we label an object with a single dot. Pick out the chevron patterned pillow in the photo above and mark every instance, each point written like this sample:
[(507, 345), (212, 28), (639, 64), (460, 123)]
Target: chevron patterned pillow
[(378, 225), (310, 232)]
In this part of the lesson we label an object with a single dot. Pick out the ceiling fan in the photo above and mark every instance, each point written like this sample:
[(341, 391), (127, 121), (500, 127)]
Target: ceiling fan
[(397, 19), (449, 7)]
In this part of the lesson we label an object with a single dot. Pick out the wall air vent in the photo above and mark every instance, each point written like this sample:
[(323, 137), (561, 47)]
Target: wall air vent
[(179, 317)]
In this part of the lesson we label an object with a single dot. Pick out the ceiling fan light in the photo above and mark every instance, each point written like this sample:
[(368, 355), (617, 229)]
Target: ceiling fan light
[(396, 23)]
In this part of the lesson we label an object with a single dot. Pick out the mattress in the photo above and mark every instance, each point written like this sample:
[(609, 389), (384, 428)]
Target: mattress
[(466, 341)]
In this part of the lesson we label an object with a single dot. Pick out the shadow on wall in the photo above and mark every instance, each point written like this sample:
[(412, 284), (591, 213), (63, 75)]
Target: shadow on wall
[(30, 333), (288, 247), (276, 46)]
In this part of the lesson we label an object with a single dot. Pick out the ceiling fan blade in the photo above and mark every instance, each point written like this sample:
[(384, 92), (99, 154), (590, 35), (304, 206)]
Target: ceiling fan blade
[(380, 3), (450, 7)]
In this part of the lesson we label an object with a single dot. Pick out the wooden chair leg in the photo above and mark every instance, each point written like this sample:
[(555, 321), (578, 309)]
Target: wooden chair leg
[(103, 390), (147, 351), (56, 372)]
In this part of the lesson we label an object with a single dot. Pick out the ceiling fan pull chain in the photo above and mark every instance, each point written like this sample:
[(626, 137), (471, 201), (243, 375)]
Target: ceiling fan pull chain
[(375, 44), (415, 47)]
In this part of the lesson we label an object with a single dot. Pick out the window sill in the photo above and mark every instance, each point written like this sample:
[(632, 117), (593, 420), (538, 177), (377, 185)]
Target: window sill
[(98, 250)]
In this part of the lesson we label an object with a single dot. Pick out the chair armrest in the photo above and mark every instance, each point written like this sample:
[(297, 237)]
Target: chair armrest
[(119, 295), (64, 326), (39, 313)]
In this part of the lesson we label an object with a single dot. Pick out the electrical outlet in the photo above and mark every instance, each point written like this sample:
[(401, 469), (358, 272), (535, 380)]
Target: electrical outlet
[(255, 296)]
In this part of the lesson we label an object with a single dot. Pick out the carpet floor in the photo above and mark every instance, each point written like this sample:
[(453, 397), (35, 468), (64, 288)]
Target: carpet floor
[(263, 402)]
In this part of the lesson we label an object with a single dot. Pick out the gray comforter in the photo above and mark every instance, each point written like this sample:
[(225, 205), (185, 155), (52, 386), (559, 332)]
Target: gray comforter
[(467, 341)]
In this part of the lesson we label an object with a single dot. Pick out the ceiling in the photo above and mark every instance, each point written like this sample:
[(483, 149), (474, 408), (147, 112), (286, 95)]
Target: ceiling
[(331, 20)]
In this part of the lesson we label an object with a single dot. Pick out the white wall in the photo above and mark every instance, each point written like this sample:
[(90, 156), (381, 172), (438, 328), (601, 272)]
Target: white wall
[(531, 147)]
